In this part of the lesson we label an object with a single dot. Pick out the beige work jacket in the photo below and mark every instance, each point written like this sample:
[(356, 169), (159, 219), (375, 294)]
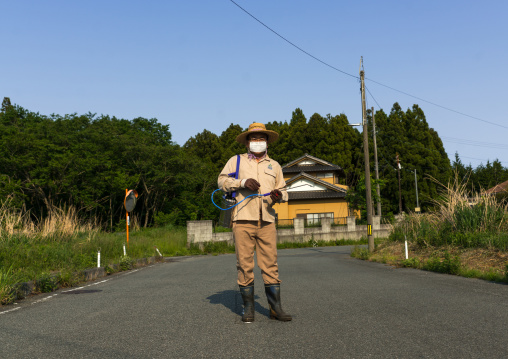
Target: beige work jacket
[(269, 175)]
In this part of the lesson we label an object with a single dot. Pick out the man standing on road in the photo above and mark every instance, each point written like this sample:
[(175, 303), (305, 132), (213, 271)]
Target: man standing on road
[(254, 219)]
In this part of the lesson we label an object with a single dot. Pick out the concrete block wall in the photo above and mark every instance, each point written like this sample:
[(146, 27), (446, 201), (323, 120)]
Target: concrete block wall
[(223, 237), (351, 223), (299, 226), (376, 222), (200, 232), (326, 225)]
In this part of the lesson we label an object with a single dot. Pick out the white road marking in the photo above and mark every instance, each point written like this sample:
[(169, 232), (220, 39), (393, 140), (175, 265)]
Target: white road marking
[(89, 285), (130, 272), (44, 299), (65, 291), (10, 310)]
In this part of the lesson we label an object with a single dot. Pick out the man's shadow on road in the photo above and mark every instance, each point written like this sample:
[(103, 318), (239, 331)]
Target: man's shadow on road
[(232, 300)]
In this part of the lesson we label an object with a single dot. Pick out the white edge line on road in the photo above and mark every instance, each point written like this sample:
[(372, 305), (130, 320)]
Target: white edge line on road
[(10, 310), (65, 291), (44, 299), (89, 285), (130, 272)]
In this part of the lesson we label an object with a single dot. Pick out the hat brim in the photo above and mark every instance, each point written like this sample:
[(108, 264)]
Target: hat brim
[(272, 136)]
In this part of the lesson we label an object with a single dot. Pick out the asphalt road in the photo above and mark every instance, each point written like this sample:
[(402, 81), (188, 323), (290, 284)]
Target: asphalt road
[(190, 308)]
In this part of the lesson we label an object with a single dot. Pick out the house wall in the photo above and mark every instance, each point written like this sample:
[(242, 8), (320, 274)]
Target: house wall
[(282, 210), (291, 209)]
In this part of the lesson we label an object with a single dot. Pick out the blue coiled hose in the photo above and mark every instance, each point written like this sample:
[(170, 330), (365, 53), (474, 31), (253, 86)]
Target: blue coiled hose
[(252, 195)]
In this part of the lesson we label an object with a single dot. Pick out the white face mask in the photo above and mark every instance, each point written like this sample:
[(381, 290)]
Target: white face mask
[(257, 146)]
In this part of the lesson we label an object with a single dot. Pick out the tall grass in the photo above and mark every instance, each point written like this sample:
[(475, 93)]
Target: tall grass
[(59, 224), (471, 220), (7, 282), (32, 249)]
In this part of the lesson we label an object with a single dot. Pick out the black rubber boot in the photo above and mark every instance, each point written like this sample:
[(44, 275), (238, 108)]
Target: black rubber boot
[(248, 302), (273, 295)]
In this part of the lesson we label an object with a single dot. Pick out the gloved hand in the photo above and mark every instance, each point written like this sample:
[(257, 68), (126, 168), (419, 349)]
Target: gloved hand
[(252, 184), (276, 195)]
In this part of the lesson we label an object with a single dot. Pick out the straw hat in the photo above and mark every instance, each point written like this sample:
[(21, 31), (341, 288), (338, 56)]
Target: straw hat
[(257, 128)]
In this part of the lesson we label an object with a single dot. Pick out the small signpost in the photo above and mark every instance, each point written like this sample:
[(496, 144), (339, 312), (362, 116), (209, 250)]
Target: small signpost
[(129, 203)]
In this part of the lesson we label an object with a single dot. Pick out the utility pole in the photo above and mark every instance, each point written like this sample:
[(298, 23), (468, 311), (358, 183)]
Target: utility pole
[(377, 168), (416, 185), (367, 166), (400, 195)]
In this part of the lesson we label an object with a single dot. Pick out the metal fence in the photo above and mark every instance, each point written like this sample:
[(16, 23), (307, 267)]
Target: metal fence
[(311, 223), (284, 223), (288, 223)]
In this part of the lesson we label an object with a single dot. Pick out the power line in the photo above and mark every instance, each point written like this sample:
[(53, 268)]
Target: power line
[(292, 44), (460, 140), (373, 98), (356, 77), (437, 105), (474, 143), (479, 159)]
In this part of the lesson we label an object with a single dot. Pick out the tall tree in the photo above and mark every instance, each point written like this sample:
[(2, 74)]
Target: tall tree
[(419, 146)]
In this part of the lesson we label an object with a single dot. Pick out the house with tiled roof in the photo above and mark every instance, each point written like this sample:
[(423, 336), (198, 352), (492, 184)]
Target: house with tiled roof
[(499, 189), (315, 189)]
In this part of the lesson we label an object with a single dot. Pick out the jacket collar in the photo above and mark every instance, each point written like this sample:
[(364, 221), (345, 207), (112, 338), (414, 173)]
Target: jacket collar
[(252, 157)]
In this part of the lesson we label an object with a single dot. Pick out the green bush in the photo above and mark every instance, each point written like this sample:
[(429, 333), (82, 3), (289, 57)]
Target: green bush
[(448, 265), (67, 278), (126, 263), (411, 263), (46, 283), (220, 229), (218, 248), (360, 253), (162, 219)]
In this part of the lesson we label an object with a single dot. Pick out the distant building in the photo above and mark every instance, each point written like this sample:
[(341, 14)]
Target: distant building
[(314, 191), (499, 189)]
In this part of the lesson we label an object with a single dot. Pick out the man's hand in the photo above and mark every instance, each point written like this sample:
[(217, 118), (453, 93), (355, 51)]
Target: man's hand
[(276, 195), (252, 184)]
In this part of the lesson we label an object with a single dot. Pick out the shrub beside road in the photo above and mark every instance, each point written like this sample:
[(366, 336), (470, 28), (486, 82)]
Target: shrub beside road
[(465, 235)]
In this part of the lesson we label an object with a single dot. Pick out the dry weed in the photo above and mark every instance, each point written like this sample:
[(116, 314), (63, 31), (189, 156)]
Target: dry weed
[(60, 223)]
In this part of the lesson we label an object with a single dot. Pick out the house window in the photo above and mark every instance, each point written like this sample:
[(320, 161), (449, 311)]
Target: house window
[(313, 218), (324, 175)]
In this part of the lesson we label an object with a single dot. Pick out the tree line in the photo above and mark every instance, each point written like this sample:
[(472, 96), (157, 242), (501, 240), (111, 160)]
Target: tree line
[(87, 161)]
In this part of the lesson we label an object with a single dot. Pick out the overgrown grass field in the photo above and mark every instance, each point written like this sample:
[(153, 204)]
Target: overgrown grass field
[(64, 244), (466, 234)]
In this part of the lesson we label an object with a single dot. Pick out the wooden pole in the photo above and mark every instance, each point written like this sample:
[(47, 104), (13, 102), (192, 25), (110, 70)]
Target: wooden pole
[(370, 237), (378, 190), (127, 221), (400, 193)]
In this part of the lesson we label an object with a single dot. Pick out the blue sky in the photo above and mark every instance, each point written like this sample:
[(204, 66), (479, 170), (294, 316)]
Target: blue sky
[(199, 65)]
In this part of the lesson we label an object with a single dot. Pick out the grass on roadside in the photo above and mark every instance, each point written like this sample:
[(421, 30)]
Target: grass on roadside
[(487, 264), (466, 234), (460, 218)]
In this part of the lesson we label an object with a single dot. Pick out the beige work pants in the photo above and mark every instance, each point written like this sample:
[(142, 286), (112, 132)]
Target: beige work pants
[(250, 235)]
